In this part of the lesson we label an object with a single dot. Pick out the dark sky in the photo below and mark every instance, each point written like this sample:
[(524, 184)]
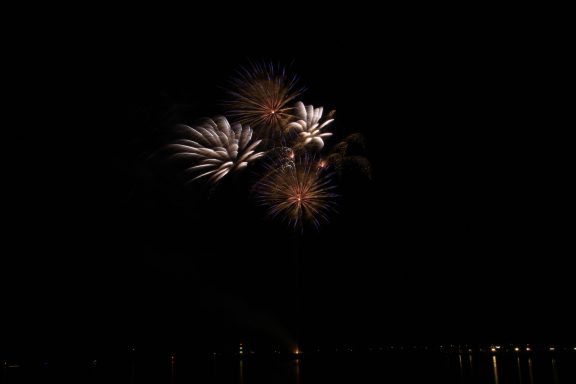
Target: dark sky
[(457, 237)]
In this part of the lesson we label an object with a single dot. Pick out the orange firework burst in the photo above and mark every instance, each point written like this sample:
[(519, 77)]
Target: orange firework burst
[(260, 96), (301, 192), (349, 156)]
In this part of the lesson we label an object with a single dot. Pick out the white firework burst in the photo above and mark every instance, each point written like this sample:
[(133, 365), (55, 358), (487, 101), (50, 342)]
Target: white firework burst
[(308, 126), (216, 148)]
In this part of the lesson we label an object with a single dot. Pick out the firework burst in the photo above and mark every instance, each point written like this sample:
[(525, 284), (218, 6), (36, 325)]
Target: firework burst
[(348, 156), (300, 192), (260, 95), (308, 126), (215, 148)]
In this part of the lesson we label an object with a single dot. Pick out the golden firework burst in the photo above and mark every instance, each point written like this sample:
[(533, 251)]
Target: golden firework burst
[(300, 192), (261, 96)]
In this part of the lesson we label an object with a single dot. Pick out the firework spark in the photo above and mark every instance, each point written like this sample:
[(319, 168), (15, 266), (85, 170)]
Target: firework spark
[(308, 126), (216, 148), (300, 193), (260, 95)]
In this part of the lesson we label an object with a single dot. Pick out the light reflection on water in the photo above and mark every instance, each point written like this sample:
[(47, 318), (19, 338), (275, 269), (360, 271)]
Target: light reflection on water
[(331, 368), (495, 367), (241, 373), (519, 370), (555, 371), (298, 371)]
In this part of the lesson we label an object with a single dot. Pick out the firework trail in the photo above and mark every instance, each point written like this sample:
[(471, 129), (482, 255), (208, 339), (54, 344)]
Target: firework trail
[(215, 148), (308, 126), (260, 95), (299, 192)]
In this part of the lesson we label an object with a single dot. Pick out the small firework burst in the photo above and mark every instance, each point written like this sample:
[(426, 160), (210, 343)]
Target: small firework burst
[(279, 158), (300, 192), (215, 148), (260, 95), (348, 156), (308, 126)]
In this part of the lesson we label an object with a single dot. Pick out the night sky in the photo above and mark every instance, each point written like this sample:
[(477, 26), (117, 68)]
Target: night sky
[(457, 237)]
